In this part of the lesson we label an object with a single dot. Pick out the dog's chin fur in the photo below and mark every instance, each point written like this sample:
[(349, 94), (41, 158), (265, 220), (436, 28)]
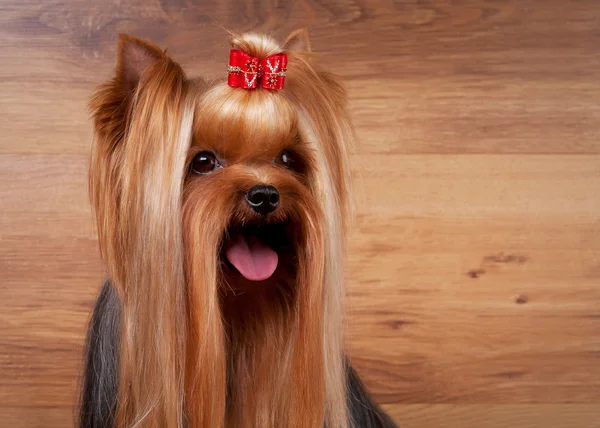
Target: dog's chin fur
[(261, 327), (192, 341)]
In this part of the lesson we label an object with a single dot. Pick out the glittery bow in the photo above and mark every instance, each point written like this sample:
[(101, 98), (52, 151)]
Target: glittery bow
[(245, 71)]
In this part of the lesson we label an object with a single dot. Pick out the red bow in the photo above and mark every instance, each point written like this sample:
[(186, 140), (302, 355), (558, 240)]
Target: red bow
[(247, 72)]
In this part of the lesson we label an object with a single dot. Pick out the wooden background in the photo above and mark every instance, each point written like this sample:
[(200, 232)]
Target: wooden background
[(474, 269)]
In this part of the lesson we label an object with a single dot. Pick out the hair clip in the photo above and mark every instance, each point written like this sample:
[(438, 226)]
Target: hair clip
[(248, 72)]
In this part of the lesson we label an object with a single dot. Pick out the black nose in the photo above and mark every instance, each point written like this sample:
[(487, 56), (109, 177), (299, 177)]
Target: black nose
[(263, 199)]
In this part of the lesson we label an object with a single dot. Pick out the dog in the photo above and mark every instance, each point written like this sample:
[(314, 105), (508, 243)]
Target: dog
[(221, 211)]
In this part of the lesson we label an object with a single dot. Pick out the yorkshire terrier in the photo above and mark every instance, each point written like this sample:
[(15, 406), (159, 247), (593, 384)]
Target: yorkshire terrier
[(221, 211)]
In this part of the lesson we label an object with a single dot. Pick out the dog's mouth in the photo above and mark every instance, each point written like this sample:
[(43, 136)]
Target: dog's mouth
[(254, 251)]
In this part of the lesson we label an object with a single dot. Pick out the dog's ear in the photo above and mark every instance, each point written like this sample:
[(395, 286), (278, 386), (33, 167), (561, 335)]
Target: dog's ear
[(298, 41), (110, 103), (135, 55)]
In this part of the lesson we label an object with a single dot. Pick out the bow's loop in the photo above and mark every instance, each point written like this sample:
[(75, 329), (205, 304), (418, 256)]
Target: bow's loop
[(243, 70), (274, 68)]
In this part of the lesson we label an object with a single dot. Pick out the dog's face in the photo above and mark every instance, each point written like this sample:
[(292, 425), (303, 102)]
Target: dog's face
[(249, 178)]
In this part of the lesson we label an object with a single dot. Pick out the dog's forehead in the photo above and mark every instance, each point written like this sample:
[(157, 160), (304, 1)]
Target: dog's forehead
[(239, 123)]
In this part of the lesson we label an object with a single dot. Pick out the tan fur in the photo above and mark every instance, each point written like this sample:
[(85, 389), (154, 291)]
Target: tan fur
[(201, 347)]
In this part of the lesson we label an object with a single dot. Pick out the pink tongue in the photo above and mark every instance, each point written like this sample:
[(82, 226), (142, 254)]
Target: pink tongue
[(251, 257)]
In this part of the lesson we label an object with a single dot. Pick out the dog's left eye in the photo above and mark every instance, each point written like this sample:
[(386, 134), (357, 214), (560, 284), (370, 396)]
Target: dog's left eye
[(286, 158), (293, 161), (205, 162)]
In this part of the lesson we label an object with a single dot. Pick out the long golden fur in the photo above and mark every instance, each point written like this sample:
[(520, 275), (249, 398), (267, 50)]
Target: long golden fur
[(199, 345)]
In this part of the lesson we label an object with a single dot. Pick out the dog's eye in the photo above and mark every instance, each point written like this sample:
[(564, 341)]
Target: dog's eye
[(204, 163), (286, 158), (292, 161)]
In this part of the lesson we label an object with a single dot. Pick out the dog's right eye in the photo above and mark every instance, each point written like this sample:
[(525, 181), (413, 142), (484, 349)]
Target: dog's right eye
[(205, 162)]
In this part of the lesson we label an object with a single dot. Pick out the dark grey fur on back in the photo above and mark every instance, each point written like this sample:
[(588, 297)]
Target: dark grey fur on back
[(99, 394), (100, 383), (365, 413)]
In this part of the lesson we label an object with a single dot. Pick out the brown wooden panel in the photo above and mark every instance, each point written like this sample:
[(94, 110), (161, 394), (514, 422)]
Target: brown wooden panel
[(483, 271), (474, 261), (38, 417), (497, 416)]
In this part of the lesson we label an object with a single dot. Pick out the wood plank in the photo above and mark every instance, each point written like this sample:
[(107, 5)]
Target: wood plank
[(430, 114), (38, 417), (44, 195), (497, 416)]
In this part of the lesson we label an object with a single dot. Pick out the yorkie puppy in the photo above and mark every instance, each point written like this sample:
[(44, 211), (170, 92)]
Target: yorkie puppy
[(221, 211)]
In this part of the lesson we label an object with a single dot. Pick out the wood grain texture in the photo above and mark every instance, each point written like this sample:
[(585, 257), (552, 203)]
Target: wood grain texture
[(474, 261)]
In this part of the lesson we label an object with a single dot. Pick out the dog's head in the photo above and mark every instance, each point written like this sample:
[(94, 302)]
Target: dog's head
[(204, 193), (251, 186)]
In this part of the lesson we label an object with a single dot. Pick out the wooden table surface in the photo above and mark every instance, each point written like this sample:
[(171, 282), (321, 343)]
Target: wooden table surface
[(474, 263)]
